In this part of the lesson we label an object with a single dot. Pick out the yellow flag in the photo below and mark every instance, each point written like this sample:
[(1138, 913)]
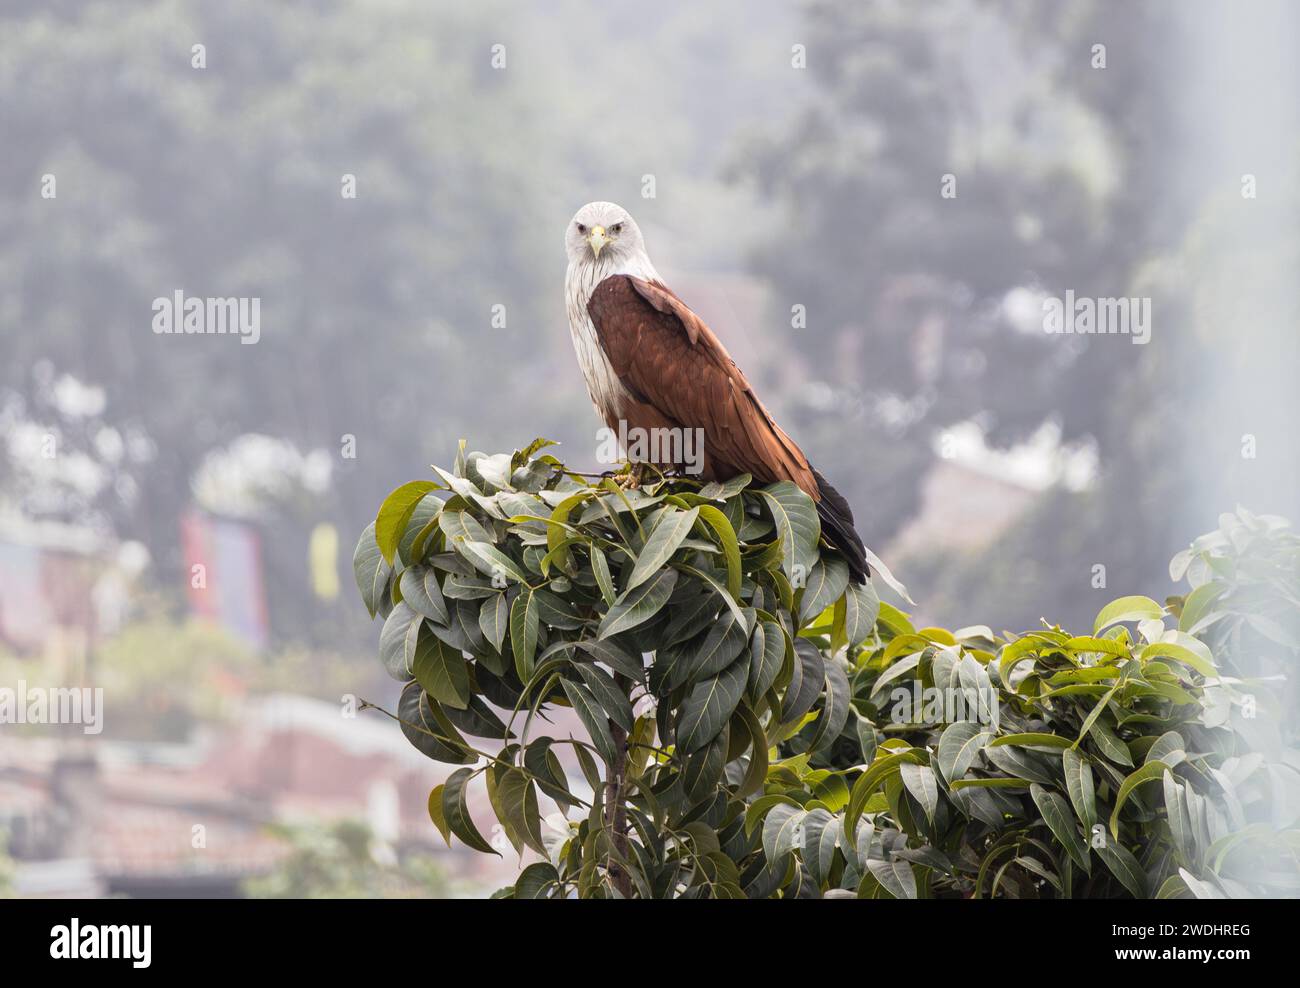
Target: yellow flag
[(323, 561)]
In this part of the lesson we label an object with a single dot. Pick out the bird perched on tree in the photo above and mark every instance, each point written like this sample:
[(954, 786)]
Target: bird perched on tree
[(652, 364)]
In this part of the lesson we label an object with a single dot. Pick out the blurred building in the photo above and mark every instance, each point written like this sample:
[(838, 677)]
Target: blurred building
[(191, 820), (49, 575)]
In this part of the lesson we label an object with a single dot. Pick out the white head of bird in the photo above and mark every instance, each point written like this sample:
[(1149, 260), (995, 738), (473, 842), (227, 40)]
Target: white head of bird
[(603, 234)]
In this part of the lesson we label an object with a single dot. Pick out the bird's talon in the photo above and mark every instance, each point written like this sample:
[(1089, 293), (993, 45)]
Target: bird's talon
[(630, 479)]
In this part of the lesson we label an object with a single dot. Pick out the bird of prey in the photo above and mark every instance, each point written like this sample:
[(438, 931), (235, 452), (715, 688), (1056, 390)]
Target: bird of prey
[(652, 364)]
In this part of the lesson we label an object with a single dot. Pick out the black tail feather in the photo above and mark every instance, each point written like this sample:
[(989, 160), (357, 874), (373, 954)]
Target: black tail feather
[(837, 526)]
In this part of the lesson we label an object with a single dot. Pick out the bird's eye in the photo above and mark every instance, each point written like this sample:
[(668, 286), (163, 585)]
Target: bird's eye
[(582, 229), (616, 228)]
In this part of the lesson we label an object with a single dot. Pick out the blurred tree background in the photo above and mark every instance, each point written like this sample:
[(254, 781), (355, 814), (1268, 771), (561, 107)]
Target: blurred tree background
[(1065, 132), (341, 860), (820, 185)]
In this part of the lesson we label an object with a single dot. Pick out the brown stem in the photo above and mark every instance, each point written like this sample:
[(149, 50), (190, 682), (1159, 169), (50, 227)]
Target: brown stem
[(615, 809)]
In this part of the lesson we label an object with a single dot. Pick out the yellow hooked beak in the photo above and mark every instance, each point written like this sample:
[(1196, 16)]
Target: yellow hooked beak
[(597, 239)]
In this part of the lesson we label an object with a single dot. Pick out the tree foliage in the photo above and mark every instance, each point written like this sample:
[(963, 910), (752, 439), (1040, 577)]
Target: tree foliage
[(757, 725)]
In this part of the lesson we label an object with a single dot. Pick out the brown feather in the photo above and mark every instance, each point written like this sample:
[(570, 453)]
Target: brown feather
[(680, 374)]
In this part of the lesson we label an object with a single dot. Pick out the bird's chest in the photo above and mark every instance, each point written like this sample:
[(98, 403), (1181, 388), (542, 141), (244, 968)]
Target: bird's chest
[(607, 392)]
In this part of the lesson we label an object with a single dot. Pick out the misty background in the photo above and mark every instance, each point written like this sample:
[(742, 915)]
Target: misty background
[(780, 158)]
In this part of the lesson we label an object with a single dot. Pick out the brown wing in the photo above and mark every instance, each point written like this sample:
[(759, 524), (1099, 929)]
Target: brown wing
[(672, 362)]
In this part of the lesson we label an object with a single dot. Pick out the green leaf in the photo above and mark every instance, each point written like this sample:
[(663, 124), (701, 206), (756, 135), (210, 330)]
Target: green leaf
[(767, 648), (460, 526), (398, 641), (371, 570), (835, 707), (609, 653), (886, 763), (1110, 744), (593, 719), (548, 772), (782, 832), (415, 538), (477, 718), (1127, 609), (879, 569), (895, 876), (1021, 764), (1089, 643), (806, 683), (1173, 887), (1169, 748), (420, 726), (1095, 713), (826, 583), (868, 744), (395, 512), (536, 881), (493, 620), (1149, 772), (921, 783), (703, 768), (638, 604), (442, 671), (523, 633), (1180, 823), (1197, 605), (990, 784), (709, 704), (717, 588), (516, 806), (612, 700), (959, 746), (1179, 653), (899, 668), (716, 520), (756, 770), (555, 612), (455, 810), (1059, 819), (420, 590), (1034, 740), (1079, 784), (861, 606), (1020, 650), (797, 525), (1125, 867), (436, 815), (715, 491), (668, 533), (590, 771), (820, 839), (639, 742), (600, 567), (723, 642), (491, 561)]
